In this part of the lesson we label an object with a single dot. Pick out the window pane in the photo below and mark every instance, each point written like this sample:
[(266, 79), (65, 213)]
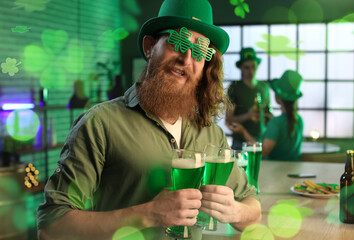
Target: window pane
[(262, 72), (312, 36), (278, 65), (340, 95), (312, 66), (340, 124), (235, 38), (278, 33), (313, 95), (313, 120), (230, 69), (221, 122), (253, 34), (340, 66), (340, 36)]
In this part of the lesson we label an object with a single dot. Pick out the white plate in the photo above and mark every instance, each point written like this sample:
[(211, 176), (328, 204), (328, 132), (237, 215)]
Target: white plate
[(314, 195)]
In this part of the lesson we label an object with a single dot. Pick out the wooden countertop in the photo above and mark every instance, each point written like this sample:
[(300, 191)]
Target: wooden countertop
[(320, 217)]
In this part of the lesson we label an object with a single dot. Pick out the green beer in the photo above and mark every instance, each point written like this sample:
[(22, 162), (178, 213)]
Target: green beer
[(185, 173), (217, 170), (254, 161)]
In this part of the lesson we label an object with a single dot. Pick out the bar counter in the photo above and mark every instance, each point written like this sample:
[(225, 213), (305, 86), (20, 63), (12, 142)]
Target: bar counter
[(320, 215)]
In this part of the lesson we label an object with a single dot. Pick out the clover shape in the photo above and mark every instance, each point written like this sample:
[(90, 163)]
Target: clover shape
[(280, 45), (241, 7), (10, 66)]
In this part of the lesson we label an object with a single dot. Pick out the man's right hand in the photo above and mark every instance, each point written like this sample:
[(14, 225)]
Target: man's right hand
[(174, 208)]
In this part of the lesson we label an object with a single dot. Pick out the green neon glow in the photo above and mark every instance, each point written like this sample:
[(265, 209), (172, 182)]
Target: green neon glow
[(241, 8), (22, 125), (280, 45), (10, 66), (128, 233), (31, 5), (257, 232)]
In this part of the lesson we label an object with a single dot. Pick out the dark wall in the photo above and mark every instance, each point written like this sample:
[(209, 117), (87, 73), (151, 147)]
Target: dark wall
[(261, 12)]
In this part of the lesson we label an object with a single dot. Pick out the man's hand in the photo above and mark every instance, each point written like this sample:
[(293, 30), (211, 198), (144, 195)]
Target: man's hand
[(218, 202), (236, 128), (175, 208)]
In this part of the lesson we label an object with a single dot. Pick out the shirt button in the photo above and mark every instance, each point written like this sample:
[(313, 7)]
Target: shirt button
[(57, 170), (173, 140)]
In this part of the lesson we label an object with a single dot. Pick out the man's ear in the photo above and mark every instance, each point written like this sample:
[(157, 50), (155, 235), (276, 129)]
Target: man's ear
[(148, 44)]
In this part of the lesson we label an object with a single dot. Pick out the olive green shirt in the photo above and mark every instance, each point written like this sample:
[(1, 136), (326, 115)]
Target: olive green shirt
[(117, 155)]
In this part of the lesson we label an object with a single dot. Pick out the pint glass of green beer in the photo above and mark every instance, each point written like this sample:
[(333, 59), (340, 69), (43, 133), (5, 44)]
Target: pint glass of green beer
[(254, 156), (218, 165), (186, 172)]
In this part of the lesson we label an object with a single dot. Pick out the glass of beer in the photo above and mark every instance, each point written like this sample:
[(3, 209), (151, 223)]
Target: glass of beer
[(254, 156), (186, 172), (218, 165)]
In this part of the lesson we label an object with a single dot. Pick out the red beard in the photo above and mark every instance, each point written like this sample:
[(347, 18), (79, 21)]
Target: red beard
[(159, 93)]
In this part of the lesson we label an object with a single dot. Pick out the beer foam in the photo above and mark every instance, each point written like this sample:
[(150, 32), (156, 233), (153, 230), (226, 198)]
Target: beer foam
[(241, 163), (183, 163), (252, 149), (219, 159)]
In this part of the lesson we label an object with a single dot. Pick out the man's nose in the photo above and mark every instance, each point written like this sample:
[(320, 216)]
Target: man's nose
[(186, 57)]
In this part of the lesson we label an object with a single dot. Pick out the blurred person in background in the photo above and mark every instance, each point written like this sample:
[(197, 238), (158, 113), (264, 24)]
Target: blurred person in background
[(283, 136), (249, 98)]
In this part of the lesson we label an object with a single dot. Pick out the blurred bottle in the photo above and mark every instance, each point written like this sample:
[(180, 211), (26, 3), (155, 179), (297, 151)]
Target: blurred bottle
[(51, 134), (257, 106), (346, 210)]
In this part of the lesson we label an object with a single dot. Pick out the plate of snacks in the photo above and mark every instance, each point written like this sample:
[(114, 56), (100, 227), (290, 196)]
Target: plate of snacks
[(317, 190)]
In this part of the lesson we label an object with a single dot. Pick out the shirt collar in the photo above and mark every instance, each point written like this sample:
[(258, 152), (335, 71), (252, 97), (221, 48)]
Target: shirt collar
[(131, 96)]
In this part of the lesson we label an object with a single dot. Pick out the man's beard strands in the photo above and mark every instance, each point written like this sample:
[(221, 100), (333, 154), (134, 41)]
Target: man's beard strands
[(159, 94)]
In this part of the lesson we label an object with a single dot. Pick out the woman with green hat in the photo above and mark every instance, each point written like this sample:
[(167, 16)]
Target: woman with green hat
[(283, 136)]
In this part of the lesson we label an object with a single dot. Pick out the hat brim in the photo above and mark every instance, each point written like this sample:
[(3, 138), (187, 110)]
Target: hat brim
[(217, 35), (281, 94), (238, 63)]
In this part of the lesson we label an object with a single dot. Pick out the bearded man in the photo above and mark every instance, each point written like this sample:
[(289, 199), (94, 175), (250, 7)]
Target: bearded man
[(115, 165)]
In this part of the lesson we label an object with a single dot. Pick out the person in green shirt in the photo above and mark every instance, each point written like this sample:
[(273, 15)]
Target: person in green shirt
[(114, 169), (283, 137), (249, 98)]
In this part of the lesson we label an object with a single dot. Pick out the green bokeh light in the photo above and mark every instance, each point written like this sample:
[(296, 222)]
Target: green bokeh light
[(128, 233), (22, 125), (157, 180), (19, 218), (284, 220), (54, 41), (306, 11), (278, 14), (257, 232)]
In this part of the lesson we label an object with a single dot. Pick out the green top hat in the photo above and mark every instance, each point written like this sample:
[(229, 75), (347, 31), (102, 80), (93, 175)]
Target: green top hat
[(248, 54), (288, 86), (195, 15)]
